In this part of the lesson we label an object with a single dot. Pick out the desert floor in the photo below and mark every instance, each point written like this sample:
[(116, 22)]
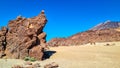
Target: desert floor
[(87, 56)]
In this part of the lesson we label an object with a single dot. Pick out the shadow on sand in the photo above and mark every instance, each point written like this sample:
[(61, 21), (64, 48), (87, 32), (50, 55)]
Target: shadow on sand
[(48, 54)]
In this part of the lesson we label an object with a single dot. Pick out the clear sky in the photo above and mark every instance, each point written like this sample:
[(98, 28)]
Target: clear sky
[(65, 17)]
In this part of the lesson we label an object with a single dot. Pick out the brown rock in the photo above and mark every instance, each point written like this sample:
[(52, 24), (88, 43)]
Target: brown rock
[(51, 65), (36, 65), (36, 52), (28, 63), (54, 64), (3, 32), (24, 37), (42, 36), (17, 66), (48, 66)]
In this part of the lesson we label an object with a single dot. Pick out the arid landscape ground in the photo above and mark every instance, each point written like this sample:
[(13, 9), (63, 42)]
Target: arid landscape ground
[(65, 34), (100, 55)]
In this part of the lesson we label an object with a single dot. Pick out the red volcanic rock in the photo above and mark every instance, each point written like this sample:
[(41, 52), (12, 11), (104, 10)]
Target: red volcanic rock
[(36, 52), (25, 37), (3, 32), (51, 65)]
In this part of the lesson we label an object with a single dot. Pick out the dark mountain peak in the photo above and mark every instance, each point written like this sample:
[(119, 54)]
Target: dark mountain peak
[(107, 22), (106, 25)]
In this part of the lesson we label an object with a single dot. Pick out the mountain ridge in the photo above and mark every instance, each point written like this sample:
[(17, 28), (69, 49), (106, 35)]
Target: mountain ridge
[(106, 25), (105, 32)]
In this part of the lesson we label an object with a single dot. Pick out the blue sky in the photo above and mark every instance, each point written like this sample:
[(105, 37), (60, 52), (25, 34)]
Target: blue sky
[(65, 17)]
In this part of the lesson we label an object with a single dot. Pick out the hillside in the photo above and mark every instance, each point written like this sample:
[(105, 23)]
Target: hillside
[(106, 32)]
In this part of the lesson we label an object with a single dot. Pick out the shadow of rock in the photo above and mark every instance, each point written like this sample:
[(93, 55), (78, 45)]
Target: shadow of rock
[(48, 54)]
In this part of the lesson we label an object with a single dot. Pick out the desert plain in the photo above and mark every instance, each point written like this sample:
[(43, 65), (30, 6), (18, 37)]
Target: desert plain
[(79, 56)]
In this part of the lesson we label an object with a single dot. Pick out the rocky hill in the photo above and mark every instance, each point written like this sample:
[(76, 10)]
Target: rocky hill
[(105, 32), (23, 37), (106, 25)]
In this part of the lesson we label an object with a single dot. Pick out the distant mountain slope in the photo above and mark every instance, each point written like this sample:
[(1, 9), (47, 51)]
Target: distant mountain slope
[(105, 32), (106, 25)]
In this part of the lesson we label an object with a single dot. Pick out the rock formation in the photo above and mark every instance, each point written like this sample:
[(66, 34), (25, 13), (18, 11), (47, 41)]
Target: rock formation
[(24, 37)]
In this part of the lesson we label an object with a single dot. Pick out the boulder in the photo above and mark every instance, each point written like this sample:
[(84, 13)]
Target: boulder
[(36, 52)]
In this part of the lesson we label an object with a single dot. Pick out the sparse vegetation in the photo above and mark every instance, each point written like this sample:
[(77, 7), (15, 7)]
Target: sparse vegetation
[(32, 59)]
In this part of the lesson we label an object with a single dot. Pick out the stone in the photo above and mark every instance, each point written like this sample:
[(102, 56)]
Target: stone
[(28, 63), (48, 66), (36, 52), (17, 66), (36, 65), (54, 64), (51, 65)]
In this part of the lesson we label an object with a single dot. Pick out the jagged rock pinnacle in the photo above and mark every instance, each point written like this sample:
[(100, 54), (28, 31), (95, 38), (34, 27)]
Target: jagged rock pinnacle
[(19, 17), (42, 12)]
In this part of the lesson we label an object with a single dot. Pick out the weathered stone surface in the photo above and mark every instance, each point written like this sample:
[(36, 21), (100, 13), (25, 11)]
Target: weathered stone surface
[(36, 52), (3, 32), (24, 37)]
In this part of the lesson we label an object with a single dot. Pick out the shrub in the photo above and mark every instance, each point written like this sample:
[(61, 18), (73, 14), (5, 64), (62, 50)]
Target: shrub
[(27, 58), (32, 59)]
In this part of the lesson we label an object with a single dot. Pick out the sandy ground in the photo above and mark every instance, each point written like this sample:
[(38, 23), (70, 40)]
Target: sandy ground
[(88, 56)]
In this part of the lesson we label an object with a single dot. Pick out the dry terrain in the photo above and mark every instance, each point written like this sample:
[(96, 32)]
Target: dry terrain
[(87, 56)]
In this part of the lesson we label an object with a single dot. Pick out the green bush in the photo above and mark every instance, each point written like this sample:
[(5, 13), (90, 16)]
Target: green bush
[(32, 59), (27, 58)]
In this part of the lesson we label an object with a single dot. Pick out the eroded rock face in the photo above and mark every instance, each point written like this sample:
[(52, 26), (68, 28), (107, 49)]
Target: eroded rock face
[(25, 37), (3, 32)]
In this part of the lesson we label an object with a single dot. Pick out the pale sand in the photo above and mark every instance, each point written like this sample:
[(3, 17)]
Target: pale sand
[(88, 56)]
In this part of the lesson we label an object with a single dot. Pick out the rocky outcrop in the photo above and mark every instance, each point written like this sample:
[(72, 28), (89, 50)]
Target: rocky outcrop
[(25, 37), (3, 32), (91, 36)]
